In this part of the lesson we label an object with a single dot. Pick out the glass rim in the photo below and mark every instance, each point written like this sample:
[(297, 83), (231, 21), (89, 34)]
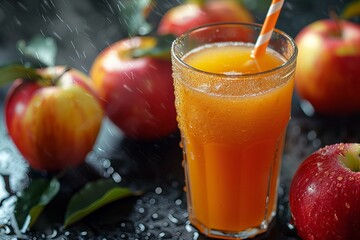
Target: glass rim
[(287, 63)]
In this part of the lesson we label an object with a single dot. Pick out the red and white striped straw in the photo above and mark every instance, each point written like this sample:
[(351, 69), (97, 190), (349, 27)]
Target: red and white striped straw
[(267, 28)]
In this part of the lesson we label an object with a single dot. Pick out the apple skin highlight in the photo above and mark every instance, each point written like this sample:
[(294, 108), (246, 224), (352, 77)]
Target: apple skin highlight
[(325, 194)]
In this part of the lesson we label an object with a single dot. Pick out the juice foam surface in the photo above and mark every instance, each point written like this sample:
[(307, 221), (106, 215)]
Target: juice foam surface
[(228, 70), (231, 59)]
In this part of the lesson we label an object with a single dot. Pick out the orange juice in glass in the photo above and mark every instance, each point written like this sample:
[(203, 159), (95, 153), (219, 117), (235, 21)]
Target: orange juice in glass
[(233, 112)]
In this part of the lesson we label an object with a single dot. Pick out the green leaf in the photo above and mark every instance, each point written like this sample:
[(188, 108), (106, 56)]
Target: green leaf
[(133, 15), (33, 199), (41, 48), (10, 72), (160, 50), (93, 196), (351, 10)]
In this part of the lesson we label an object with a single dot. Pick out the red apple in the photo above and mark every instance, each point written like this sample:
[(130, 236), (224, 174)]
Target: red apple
[(325, 194), (138, 92), (54, 122), (328, 66), (195, 13)]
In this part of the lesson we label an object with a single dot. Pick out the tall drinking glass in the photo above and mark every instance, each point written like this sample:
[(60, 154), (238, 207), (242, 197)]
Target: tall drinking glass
[(233, 112)]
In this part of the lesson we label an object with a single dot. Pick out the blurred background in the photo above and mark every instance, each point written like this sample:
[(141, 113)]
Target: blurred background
[(83, 28)]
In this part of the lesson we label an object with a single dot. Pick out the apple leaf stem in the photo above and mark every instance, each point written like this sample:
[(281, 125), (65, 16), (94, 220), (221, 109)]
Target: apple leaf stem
[(57, 78), (337, 20), (11, 72)]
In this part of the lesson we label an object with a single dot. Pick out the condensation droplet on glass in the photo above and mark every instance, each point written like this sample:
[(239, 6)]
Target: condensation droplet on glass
[(233, 73), (218, 86), (204, 87)]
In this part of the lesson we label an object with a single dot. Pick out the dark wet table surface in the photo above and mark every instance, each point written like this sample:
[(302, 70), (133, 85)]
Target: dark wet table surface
[(155, 167)]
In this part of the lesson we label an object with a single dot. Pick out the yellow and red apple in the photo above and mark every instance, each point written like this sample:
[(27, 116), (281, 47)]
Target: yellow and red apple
[(53, 122), (328, 66), (192, 14), (325, 194), (137, 91)]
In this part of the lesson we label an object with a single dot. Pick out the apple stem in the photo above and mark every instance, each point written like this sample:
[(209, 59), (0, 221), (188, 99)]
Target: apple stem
[(351, 159), (56, 79), (334, 16)]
